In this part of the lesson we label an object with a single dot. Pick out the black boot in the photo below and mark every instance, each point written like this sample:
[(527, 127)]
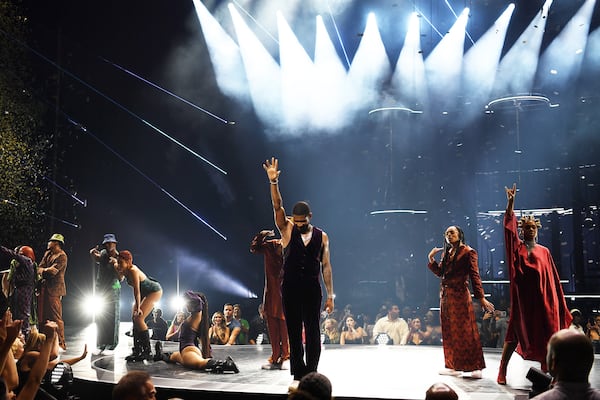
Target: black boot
[(158, 353), (221, 366), (146, 347), (136, 350)]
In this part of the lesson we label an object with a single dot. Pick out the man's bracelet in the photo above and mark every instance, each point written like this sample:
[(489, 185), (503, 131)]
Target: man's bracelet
[(275, 182)]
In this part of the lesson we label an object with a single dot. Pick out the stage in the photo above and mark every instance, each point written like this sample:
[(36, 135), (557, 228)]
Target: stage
[(356, 372)]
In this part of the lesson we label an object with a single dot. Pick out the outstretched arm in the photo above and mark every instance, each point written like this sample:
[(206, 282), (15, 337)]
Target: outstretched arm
[(39, 367), (510, 197), (272, 169)]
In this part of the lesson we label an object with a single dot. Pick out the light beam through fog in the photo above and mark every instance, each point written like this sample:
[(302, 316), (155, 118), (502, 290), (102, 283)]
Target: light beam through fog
[(211, 274)]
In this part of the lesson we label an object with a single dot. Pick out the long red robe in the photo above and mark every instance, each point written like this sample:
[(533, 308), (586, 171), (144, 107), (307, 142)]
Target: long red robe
[(460, 335), (538, 307)]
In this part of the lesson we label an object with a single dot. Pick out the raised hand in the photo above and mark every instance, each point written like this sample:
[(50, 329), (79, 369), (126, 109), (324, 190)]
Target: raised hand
[(272, 169), (511, 192), (433, 252)]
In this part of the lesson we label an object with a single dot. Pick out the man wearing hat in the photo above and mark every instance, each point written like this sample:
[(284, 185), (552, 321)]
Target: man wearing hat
[(52, 269), (109, 289)]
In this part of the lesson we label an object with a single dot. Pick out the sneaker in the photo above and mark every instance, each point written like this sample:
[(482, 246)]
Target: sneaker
[(449, 371), (476, 374)]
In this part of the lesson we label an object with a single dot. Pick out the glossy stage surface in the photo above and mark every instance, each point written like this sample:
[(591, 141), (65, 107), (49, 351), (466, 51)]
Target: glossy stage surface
[(356, 371)]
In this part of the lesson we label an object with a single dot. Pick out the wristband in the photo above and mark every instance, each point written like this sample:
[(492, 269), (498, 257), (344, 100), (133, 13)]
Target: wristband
[(331, 296), (275, 182)]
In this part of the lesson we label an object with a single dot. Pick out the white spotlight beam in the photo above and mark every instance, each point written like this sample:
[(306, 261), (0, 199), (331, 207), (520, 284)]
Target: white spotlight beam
[(444, 64), (592, 52), (297, 78), (224, 54), (562, 60), (409, 75), (523, 53), (369, 67), (456, 16), (262, 72), (481, 62), (328, 104)]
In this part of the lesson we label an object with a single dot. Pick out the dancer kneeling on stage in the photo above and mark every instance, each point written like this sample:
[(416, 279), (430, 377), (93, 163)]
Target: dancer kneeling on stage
[(146, 292), (193, 328)]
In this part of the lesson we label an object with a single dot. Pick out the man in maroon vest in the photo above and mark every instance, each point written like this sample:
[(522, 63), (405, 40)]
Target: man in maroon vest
[(305, 259)]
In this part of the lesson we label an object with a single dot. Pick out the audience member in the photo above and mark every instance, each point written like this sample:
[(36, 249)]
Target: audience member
[(233, 324), (313, 386), (576, 323), (416, 336), (570, 358), (393, 326), (158, 325), (440, 391), (174, 329), (244, 325), (593, 332), (218, 333), (330, 330), (352, 334), (259, 331), (134, 385)]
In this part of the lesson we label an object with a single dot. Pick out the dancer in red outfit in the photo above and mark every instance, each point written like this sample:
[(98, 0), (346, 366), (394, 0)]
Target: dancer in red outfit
[(273, 307), (460, 335), (538, 308)]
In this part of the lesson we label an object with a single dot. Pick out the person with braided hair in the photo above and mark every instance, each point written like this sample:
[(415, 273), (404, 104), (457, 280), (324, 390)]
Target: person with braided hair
[(460, 335), (538, 307)]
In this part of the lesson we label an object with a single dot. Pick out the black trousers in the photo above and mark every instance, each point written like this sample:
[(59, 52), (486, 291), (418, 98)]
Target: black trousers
[(302, 308)]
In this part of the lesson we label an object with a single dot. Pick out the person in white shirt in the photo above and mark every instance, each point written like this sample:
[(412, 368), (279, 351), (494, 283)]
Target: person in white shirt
[(392, 325)]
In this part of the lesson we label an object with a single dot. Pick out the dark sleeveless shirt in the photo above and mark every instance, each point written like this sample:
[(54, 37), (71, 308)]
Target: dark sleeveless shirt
[(302, 263), (187, 336)]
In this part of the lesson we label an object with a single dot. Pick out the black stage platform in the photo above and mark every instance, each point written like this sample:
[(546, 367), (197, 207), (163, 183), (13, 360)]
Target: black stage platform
[(356, 372)]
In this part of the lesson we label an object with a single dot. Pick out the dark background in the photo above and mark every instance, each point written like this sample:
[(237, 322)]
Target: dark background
[(438, 164)]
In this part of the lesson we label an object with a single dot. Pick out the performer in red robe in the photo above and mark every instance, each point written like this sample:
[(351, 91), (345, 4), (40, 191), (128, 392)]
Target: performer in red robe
[(460, 335), (538, 308)]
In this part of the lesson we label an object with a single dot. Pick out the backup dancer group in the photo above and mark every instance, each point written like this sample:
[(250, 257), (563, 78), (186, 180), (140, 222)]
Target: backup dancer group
[(294, 266)]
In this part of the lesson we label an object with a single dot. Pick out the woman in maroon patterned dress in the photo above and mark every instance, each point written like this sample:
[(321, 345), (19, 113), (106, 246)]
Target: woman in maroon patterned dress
[(460, 336)]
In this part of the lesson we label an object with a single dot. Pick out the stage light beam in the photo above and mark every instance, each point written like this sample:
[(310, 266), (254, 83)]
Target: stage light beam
[(444, 64), (369, 68), (329, 96), (409, 75), (262, 72), (481, 62), (524, 53), (561, 62)]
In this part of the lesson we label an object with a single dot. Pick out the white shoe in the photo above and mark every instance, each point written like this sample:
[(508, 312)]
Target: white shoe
[(449, 371), (476, 374)]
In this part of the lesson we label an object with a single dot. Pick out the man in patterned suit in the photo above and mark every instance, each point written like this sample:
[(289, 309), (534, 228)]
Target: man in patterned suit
[(52, 269)]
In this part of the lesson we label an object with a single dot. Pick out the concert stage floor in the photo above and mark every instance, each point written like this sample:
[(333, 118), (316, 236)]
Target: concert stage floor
[(356, 372)]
